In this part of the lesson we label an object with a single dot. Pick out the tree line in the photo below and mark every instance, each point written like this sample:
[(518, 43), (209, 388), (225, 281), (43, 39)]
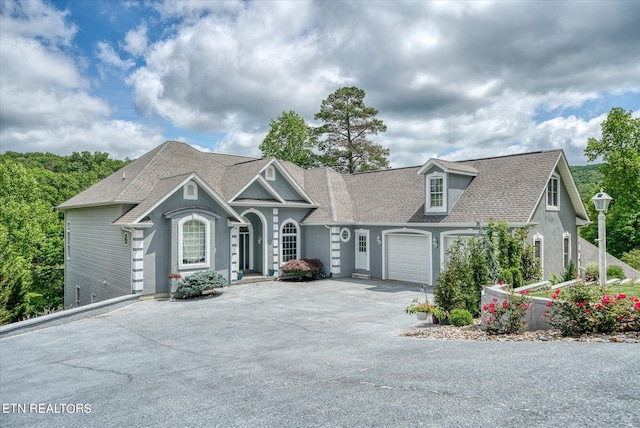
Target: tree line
[(32, 231)]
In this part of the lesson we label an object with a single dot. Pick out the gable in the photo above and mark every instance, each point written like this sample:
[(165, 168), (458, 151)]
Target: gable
[(257, 190)]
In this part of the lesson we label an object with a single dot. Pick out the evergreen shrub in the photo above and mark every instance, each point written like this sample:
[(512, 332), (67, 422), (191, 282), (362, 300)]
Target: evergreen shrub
[(200, 281)]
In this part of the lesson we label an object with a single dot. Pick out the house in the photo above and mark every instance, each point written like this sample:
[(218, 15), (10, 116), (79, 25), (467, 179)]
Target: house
[(177, 209)]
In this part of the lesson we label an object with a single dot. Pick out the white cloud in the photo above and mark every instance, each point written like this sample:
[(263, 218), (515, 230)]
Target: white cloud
[(45, 100), (136, 40), (111, 59)]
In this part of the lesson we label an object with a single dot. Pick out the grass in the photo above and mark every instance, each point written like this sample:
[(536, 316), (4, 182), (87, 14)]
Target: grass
[(631, 289)]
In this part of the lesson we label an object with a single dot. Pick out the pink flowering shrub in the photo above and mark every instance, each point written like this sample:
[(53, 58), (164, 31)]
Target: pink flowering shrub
[(584, 309), (506, 317), (302, 267)]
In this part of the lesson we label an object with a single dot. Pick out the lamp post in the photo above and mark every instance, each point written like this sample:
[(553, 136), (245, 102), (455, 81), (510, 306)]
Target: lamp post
[(601, 201)]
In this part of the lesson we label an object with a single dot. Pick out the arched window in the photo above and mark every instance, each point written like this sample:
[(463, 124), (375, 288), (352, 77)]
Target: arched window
[(190, 191), (193, 248), (290, 237)]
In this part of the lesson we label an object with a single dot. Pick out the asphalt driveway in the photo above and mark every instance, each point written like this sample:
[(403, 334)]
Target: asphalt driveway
[(322, 353)]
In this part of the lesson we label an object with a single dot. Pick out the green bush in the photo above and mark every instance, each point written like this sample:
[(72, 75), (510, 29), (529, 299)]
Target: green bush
[(615, 272), (460, 317), (570, 272), (456, 288), (200, 281), (591, 271)]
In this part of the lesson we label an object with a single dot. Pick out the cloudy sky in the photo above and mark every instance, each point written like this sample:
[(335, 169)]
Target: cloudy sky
[(453, 79)]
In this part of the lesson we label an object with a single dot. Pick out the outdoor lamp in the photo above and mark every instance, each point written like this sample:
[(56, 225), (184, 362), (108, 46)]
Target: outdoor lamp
[(601, 202)]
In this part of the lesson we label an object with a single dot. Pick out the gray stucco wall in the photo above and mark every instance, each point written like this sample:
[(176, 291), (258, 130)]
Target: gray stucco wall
[(552, 225), (456, 185), (161, 257), (99, 261), (284, 189)]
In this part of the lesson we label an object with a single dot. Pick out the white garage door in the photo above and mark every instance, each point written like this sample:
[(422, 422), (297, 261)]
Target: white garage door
[(409, 258)]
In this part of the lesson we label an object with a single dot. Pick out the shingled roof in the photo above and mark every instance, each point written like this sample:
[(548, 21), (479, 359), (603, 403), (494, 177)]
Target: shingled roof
[(506, 187)]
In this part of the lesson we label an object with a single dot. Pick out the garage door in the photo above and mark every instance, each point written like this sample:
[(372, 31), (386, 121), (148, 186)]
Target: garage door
[(409, 258)]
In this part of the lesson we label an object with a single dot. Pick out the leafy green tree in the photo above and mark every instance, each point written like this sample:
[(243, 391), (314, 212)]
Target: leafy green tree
[(289, 140), (632, 258), (619, 149), (343, 139)]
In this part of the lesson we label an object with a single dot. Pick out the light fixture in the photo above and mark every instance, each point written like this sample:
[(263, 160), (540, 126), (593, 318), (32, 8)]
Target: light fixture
[(601, 201), (259, 240), (435, 242), (379, 240)]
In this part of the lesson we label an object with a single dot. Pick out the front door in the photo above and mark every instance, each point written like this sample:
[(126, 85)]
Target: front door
[(362, 249), (244, 241)]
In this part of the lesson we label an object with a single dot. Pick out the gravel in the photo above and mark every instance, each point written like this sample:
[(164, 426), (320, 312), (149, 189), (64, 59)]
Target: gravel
[(474, 332)]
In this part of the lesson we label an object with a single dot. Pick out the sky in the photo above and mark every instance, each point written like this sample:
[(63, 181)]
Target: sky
[(450, 79)]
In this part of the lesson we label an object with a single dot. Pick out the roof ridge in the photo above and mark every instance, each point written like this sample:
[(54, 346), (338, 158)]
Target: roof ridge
[(332, 202), (537, 152), (140, 173)]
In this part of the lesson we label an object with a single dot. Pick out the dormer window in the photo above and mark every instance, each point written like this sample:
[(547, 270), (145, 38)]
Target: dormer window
[(436, 197), (190, 191), (270, 173), (553, 195)]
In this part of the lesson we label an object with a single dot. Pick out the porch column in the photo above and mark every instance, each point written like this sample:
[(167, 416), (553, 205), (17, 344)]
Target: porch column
[(276, 243), (137, 261)]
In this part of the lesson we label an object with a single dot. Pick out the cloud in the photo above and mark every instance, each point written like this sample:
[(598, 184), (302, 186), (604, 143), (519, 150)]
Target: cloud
[(46, 103), (450, 79), (136, 40), (111, 59)]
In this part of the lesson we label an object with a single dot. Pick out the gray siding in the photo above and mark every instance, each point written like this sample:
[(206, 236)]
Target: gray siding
[(255, 191), (456, 186), (99, 263)]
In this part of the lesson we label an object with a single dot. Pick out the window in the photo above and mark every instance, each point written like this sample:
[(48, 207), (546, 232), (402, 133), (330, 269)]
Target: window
[(436, 197), (345, 234), (538, 250), (68, 240), (289, 239), (270, 173), (566, 249), (193, 242), (190, 191), (552, 193)]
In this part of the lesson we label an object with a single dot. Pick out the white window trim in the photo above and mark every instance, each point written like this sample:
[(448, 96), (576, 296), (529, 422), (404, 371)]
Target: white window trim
[(365, 233), (546, 194), (270, 173), (566, 235), (281, 236), (427, 203), (207, 240), (185, 191), (538, 237)]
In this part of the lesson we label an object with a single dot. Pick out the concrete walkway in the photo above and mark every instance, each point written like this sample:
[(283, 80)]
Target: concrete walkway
[(322, 353)]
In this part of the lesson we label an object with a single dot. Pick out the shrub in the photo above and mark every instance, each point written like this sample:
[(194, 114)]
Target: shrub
[(570, 272), (200, 281), (505, 317), (460, 317), (302, 267), (584, 309), (456, 288), (615, 272), (591, 271), (632, 258)]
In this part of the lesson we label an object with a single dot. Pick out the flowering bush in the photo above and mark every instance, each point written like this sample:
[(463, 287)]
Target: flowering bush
[(584, 309), (426, 307), (302, 267), (506, 317)]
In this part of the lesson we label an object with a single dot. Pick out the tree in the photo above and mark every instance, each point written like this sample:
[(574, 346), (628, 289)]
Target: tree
[(619, 149), (289, 140), (344, 143)]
